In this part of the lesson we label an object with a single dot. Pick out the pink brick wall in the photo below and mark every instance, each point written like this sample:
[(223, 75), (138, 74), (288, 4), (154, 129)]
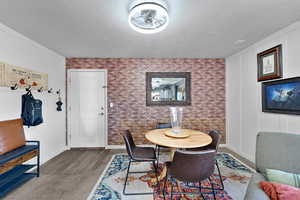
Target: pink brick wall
[(126, 89)]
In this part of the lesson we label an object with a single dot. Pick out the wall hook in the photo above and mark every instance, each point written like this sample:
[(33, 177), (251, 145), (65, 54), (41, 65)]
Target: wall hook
[(29, 88), (40, 89), (15, 87), (50, 90), (58, 92)]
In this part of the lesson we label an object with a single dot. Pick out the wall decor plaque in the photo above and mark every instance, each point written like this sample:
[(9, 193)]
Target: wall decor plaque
[(11, 75)]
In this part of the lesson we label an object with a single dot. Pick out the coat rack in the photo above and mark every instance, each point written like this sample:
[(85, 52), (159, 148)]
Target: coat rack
[(39, 90), (14, 87), (28, 88), (15, 77)]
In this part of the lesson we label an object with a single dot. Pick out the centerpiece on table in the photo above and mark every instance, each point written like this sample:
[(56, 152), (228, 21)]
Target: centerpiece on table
[(176, 122), (176, 119)]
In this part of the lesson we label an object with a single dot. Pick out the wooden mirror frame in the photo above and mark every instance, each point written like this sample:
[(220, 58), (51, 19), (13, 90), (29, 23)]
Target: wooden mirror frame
[(150, 75)]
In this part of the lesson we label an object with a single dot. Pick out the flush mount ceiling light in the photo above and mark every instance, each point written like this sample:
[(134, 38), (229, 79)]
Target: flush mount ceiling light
[(148, 17)]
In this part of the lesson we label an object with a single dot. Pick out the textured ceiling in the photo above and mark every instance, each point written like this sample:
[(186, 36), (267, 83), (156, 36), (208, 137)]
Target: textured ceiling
[(99, 28)]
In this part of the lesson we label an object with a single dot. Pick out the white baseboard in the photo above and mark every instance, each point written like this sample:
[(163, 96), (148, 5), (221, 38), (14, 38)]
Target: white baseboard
[(248, 157), (231, 148), (223, 145), (115, 147)]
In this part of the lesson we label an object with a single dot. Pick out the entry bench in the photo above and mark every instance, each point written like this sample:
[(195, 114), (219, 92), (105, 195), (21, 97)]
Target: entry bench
[(14, 152)]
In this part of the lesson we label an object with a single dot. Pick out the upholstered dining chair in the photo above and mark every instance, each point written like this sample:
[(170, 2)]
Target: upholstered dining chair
[(192, 167), (214, 145), (158, 147), (137, 154)]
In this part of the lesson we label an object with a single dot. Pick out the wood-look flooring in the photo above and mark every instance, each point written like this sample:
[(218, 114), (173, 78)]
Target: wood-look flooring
[(70, 176)]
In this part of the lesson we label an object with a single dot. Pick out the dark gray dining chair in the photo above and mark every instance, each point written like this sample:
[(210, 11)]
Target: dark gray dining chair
[(158, 147), (192, 167), (138, 154), (214, 145)]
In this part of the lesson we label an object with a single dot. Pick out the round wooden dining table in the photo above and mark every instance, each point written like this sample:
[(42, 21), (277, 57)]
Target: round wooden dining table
[(193, 140)]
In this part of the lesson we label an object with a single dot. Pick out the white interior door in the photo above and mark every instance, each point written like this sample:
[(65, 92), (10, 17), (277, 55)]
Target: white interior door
[(87, 108)]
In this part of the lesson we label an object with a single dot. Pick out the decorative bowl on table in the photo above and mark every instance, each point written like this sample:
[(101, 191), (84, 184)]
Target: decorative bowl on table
[(182, 134)]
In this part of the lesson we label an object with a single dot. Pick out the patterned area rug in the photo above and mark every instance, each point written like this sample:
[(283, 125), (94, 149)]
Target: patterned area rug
[(110, 185)]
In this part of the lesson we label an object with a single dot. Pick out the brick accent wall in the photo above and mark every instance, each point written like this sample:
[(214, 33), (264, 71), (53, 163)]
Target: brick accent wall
[(127, 91)]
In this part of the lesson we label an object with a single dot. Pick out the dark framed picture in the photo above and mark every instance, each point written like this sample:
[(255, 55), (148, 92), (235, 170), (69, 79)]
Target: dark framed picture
[(281, 96), (269, 64)]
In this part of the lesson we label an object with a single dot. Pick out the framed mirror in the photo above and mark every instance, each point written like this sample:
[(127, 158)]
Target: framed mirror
[(168, 88)]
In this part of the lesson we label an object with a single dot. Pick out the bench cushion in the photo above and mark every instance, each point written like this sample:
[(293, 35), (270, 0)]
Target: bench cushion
[(16, 153), (11, 135)]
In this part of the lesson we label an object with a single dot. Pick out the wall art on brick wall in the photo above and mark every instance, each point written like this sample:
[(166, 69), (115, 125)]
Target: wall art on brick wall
[(168, 88)]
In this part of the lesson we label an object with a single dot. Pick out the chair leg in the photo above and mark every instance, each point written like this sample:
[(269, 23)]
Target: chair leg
[(158, 151), (212, 187), (220, 175), (38, 163), (124, 188), (171, 190), (165, 183), (164, 188), (200, 185), (156, 175)]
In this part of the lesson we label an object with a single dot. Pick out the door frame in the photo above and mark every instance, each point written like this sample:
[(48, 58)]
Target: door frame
[(68, 136)]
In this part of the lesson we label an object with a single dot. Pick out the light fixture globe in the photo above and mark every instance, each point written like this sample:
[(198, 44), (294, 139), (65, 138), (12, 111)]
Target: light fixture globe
[(148, 17)]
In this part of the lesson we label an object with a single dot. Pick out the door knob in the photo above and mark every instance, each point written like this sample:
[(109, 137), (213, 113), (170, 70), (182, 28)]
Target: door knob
[(101, 113)]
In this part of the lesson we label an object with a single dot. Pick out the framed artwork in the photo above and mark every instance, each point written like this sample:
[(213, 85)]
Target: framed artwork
[(269, 64), (281, 96)]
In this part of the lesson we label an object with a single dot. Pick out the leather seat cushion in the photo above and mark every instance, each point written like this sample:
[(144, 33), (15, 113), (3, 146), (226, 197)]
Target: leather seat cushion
[(205, 148), (11, 135), (144, 153)]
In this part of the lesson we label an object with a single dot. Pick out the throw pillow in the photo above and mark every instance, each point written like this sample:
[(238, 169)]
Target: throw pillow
[(277, 191), (286, 178)]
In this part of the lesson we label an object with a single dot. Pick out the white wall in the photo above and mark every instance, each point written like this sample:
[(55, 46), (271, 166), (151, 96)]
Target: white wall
[(18, 50), (244, 116)]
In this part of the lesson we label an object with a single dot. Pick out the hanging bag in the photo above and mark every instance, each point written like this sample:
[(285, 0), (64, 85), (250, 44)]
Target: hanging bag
[(31, 110)]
